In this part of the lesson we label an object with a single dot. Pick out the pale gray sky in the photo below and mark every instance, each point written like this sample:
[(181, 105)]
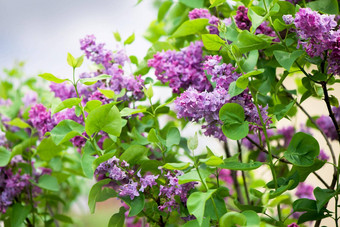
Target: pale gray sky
[(41, 32)]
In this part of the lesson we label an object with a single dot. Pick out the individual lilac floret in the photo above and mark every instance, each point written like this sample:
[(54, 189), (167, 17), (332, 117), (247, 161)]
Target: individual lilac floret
[(129, 189), (288, 19), (147, 181), (334, 56), (293, 225), (314, 31), (182, 69), (323, 156), (304, 191), (204, 13), (41, 119)]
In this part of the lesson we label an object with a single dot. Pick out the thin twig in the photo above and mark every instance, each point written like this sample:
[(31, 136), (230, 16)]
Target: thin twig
[(243, 175)]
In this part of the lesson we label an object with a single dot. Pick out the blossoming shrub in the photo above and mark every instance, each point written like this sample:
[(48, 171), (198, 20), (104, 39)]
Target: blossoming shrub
[(226, 64)]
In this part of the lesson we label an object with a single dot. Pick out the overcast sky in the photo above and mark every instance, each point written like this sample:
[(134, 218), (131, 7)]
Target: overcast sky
[(41, 32)]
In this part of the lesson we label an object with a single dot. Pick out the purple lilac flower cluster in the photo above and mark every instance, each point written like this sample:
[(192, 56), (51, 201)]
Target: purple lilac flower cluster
[(118, 171), (326, 123), (182, 69), (242, 21), (41, 120), (204, 13), (13, 184), (195, 105), (172, 188), (112, 62), (319, 36)]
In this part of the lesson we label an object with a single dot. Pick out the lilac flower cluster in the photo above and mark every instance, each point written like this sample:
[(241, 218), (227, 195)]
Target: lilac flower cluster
[(326, 123), (118, 171), (204, 13), (242, 21), (182, 69), (112, 62), (171, 188), (315, 31), (195, 105)]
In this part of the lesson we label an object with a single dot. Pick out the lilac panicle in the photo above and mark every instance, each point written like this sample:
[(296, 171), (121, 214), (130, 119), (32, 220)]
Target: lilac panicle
[(41, 119), (129, 189), (182, 69), (326, 123)]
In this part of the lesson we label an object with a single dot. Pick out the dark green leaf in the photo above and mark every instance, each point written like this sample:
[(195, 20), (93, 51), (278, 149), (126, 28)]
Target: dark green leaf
[(232, 113), (136, 205), (325, 6), (286, 59), (66, 130), (234, 90), (19, 214), (322, 197), (135, 154), (236, 131), (63, 218), (47, 149), (281, 110), (302, 149), (94, 192), (5, 156), (247, 42), (232, 165), (196, 204), (118, 219), (87, 160), (48, 182)]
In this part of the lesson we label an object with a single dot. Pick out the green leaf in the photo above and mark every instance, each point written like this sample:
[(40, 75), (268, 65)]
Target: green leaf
[(215, 3), (107, 93), (304, 205), (128, 111), (67, 103), (91, 105), (152, 136), (212, 161), (212, 42), (194, 223), (252, 218), (63, 218), (305, 171), (104, 118), (148, 92), (247, 42), (18, 123), (236, 131), (47, 149), (325, 6), (234, 90), (178, 166), (93, 80), (242, 81), (163, 10), (233, 165), (281, 110), (232, 113), (71, 60), (118, 219), (135, 154), (251, 61), (51, 77), (173, 137), (302, 149), (48, 182), (196, 204), (233, 218), (136, 205), (193, 3), (87, 160), (193, 142), (66, 130), (191, 27), (286, 59), (117, 37), (322, 197), (130, 39), (255, 19), (19, 214), (94, 193)]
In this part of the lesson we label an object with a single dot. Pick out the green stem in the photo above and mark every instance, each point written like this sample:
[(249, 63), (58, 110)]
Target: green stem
[(242, 172)]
